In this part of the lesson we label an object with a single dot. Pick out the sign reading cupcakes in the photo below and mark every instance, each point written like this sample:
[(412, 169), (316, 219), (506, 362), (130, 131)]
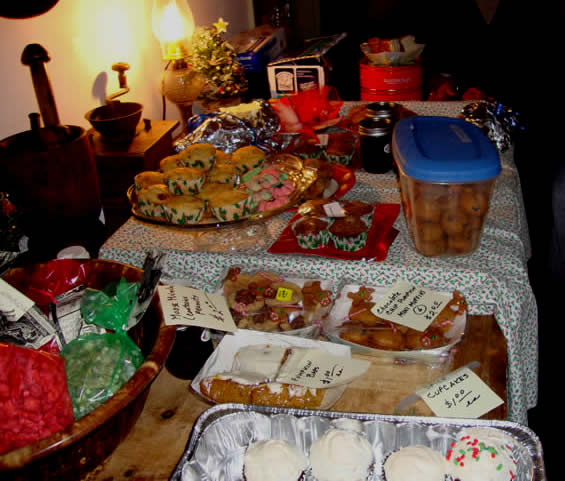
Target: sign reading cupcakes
[(203, 185)]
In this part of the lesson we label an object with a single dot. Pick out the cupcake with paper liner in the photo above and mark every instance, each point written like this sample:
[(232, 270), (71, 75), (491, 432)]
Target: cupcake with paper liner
[(247, 158), (183, 209), (147, 178), (481, 454), (341, 455), (170, 162), (415, 462), (150, 200), (223, 174), (184, 180), (200, 156), (312, 232), (231, 205), (349, 233), (273, 460)]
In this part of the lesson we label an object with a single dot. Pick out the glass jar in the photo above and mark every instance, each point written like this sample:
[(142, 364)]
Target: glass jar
[(375, 137), (382, 109)]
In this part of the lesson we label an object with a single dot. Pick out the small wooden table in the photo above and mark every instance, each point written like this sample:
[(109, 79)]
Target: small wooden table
[(157, 441)]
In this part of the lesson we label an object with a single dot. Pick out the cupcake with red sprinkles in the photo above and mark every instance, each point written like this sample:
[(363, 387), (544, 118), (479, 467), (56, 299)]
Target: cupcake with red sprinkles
[(481, 455)]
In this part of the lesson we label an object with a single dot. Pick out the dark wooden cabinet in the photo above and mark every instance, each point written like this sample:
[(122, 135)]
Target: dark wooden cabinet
[(118, 164)]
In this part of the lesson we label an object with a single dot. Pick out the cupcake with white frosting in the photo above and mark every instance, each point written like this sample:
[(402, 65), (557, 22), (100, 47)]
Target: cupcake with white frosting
[(341, 455), (416, 462), (273, 460)]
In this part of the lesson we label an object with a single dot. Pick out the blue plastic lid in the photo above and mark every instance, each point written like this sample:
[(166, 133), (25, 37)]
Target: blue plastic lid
[(444, 149)]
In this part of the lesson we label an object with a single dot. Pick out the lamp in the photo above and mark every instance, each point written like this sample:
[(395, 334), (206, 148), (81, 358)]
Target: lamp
[(173, 25)]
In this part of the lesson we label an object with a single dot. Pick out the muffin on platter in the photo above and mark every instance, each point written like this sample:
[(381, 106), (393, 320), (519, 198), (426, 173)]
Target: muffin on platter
[(184, 180), (170, 162), (201, 156), (223, 174), (247, 158), (230, 205), (273, 460), (151, 199), (341, 455), (183, 209), (147, 178)]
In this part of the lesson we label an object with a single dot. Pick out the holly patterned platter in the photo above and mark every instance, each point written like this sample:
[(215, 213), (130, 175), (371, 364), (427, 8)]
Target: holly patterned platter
[(257, 206)]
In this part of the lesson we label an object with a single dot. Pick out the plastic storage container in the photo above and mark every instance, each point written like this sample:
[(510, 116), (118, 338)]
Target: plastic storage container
[(447, 168)]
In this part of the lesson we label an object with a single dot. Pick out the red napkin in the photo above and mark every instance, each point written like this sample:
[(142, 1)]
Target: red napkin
[(34, 401), (381, 235)]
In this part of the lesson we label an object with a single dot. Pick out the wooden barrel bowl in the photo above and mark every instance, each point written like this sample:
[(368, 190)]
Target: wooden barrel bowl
[(73, 452)]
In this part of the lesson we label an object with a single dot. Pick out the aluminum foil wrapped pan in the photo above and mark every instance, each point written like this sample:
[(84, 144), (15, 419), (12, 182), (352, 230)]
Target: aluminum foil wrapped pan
[(216, 448), (499, 123), (228, 132)]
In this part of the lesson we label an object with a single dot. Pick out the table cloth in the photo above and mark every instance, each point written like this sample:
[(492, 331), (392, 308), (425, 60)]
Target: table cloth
[(494, 278)]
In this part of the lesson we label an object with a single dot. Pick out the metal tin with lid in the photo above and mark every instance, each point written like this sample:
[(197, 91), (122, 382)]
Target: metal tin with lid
[(375, 135), (447, 169)]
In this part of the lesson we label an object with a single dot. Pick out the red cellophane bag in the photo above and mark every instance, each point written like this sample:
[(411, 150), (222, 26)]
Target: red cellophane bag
[(34, 401)]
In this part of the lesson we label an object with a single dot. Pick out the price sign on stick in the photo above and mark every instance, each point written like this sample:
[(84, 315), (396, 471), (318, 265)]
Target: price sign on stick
[(317, 368), (190, 307), (460, 394), (410, 306)]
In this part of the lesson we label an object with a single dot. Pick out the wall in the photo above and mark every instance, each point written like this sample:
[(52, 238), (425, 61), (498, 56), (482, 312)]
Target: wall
[(84, 38)]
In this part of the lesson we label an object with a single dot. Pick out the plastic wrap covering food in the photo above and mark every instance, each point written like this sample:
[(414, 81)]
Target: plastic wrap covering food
[(246, 124), (501, 124), (98, 365), (34, 401)]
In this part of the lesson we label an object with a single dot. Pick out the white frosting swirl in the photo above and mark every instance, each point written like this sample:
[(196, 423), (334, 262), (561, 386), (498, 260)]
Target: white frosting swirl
[(415, 462), (341, 456), (273, 460)]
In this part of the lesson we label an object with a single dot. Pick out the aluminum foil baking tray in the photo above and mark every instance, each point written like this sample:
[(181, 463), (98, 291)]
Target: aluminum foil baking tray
[(216, 446)]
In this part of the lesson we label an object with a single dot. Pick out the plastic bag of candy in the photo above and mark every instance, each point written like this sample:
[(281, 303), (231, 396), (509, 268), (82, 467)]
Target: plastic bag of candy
[(34, 401), (98, 365)]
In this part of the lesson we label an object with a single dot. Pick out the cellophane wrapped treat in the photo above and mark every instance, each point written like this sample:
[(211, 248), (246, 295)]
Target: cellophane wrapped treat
[(34, 401)]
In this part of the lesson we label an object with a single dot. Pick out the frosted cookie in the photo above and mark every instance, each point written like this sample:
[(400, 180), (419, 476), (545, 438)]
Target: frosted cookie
[(415, 462), (184, 180), (341, 456), (273, 460), (183, 209)]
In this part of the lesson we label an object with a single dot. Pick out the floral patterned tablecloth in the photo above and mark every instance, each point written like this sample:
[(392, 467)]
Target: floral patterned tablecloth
[(494, 278)]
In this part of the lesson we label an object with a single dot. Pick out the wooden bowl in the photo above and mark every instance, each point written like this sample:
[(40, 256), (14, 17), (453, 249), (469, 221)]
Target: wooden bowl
[(72, 453), (116, 121)]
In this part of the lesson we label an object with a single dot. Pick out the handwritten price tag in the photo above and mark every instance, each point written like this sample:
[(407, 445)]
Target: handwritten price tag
[(283, 294), (410, 306), (190, 307), (460, 394), (317, 368), (13, 304)]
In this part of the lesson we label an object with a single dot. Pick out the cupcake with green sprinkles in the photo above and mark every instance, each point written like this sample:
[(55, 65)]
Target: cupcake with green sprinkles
[(481, 455), (185, 180)]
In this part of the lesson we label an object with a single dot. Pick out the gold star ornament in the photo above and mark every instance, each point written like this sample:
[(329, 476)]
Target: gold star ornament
[(221, 25)]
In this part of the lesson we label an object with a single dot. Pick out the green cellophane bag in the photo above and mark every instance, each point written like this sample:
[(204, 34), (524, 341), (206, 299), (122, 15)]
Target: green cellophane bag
[(98, 365)]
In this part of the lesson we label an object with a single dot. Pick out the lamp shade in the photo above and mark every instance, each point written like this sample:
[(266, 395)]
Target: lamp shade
[(173, 25)]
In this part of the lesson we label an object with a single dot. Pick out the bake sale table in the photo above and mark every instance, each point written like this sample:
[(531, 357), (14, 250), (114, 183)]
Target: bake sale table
[(494, 279)]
